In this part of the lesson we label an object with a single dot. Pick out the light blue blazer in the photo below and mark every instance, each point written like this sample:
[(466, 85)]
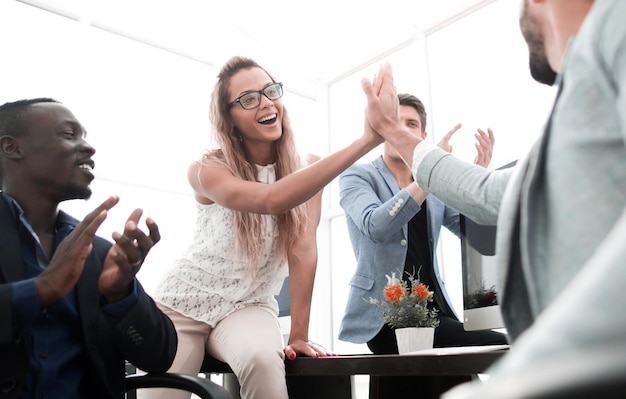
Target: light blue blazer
[(377, 213)]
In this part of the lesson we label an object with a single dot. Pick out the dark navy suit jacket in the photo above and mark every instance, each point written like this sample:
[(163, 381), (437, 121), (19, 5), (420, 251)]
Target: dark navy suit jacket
[(144, 336)]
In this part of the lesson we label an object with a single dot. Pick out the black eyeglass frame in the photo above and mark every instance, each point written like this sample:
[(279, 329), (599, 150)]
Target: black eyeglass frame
[(279, 85)]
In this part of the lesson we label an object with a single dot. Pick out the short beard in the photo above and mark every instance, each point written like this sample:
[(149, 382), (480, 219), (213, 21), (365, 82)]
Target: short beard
[(540, 68), (77, 192), (541, 71)]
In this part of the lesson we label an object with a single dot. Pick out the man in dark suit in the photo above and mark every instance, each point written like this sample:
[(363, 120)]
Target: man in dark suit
[(71, 309)]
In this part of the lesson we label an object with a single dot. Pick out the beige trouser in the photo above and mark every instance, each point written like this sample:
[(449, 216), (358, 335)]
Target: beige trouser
[(249, 340)]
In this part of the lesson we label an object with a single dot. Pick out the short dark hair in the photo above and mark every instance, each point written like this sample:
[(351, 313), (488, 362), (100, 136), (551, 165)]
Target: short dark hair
[(11, 121), (412, 101)]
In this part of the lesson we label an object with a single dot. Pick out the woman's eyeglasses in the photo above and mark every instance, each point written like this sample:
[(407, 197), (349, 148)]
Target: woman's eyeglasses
[(252, 99)]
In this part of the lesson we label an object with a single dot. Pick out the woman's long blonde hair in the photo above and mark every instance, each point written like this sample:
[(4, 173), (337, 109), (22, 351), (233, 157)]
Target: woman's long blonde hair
[(231, 152)]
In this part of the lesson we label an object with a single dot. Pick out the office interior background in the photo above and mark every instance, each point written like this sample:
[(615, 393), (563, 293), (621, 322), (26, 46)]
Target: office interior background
[(139, 75)]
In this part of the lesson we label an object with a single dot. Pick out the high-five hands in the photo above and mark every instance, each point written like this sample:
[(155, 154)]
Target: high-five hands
[(383, 110), (382, 101), (382, 114)]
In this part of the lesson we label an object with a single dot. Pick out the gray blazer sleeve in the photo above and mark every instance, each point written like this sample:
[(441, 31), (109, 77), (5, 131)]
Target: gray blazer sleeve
[(473, 190)]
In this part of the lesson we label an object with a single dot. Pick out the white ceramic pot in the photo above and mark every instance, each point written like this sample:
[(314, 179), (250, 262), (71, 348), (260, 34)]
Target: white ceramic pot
[(411, 339)]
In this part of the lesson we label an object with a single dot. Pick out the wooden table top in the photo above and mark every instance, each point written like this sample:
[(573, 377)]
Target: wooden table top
[(395, 365), (380, 365)]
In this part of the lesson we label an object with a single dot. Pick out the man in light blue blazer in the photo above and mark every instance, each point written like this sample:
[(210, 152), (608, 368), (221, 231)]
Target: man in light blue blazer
[(561, 211), (394, 227)]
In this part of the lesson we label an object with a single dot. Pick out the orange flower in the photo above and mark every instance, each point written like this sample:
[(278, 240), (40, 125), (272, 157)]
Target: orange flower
[(405, 303), (421, 291), (394, 292)]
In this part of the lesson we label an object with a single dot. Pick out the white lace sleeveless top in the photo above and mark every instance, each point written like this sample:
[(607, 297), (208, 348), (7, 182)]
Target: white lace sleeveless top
[(208, 282)]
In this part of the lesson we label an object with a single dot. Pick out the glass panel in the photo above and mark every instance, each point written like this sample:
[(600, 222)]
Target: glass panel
[(479, 76)]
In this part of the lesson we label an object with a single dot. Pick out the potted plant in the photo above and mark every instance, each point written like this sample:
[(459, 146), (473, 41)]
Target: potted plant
[(405, 308)]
